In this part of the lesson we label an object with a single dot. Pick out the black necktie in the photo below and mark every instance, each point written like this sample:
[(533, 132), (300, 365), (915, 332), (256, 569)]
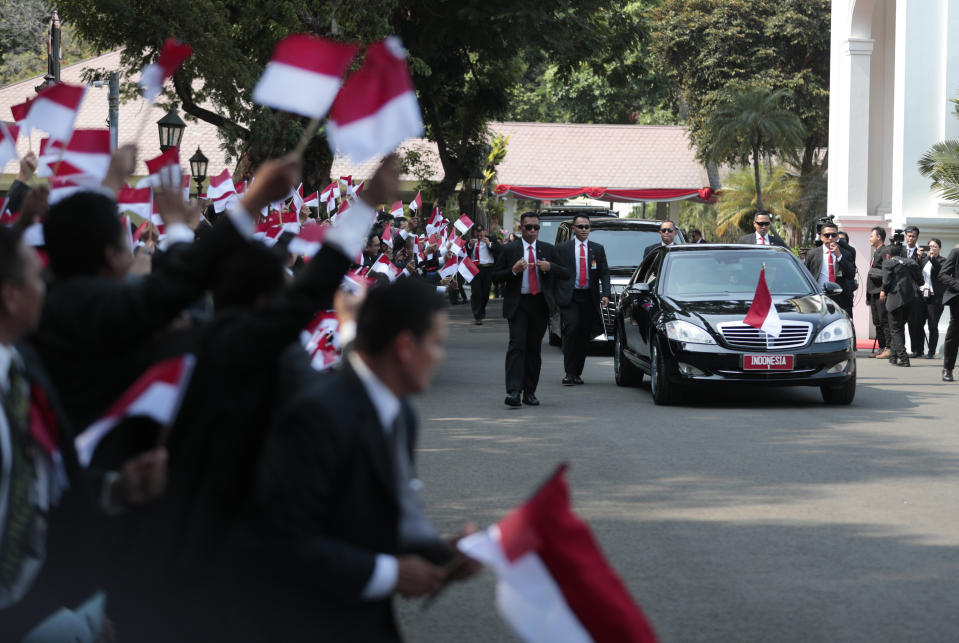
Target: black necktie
[(415, 528)]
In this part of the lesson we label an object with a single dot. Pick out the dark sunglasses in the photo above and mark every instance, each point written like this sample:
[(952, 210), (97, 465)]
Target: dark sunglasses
[(529, 227), (762, 223), (667, 229), (583, 227), (829, 235)]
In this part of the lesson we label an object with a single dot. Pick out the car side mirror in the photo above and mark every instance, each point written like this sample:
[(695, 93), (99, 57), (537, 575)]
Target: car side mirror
[(638, 288), (832, 288)]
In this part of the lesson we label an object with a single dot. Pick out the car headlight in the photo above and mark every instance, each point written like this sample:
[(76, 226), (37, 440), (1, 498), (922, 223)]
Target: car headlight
[(839, 330), (681, 331)]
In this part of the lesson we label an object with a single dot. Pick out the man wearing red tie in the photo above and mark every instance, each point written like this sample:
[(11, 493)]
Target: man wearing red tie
[(527, 269), (828, 263), (763, 236), (580, 297), (483, 251)]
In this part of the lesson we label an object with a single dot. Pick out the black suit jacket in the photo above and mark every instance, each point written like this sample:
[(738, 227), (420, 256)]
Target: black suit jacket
[(328, 505), (901, 278), (750, 239), (95, 333), (845, 269), (874, 277), (513, 284), (598, 270), (949, 276)]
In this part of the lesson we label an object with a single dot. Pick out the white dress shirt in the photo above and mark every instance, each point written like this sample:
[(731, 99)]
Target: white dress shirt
[(485, 256), (824, 270), (525, 287), (910, 251), (761, 237), (585, 248)]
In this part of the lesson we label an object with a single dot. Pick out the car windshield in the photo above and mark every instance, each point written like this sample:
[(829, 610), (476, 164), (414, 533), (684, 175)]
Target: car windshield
[(726, 273), (548, 229), (625, 247)]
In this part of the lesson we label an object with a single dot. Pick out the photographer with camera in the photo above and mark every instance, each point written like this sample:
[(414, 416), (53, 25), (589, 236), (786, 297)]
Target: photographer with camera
[(932, 294), (832, 263), (901, 278), (880, 318)]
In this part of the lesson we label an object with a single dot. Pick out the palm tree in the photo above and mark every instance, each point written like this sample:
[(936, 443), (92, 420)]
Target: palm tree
[(739, 199), (941, 164), (753, 123)]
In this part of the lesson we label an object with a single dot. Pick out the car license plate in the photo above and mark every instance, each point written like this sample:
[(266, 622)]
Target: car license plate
[(768, 362)]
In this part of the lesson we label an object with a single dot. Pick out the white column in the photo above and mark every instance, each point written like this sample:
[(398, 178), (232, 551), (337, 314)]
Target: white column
[(859, 56)]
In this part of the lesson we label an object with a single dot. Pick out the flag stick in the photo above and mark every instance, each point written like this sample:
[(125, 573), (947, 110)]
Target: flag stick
[(308, 135)]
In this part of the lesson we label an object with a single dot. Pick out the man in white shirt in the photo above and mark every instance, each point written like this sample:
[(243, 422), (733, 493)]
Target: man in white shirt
[(483, 251)]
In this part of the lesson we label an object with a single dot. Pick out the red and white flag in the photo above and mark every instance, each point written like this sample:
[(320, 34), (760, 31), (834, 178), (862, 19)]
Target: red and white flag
[(240, 187), (385, 266), (54, 110), (139, 201), (8, 143), (312, 200), (89, 151), (762, 312), (20, 115), (221, 191), (397, 210), (330, 192), (376, 109), (185, 186), (69, 180), (416, 203), (467, 269), (164, 171), (50, 151), (463, 224), (171, 58), (553, 583), (309, 240), (298, 199), (156, 394), (304, 75), (387, 236), (458, 246), (450, 267)]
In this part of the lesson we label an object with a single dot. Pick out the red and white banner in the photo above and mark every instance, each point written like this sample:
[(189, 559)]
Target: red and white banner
[(171, 58), (156, 394), (304, 75), (164, 170), (89, 151), (139, 201), (54, 110), (8, 143), (553, 583), (376, 109), (762, 312)]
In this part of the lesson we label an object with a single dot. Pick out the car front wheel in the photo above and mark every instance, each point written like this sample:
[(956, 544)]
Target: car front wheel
[(664, 392), (843, 394)]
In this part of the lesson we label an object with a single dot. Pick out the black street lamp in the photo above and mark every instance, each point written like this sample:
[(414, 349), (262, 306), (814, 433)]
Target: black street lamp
[(198, 163), (476, 179), (171, 129)]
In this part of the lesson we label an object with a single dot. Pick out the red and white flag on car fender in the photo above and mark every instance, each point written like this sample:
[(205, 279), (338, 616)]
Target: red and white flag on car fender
[(762, 313), (376, 109), (553, 583), (171, 58), (304, 75), (54, 110), (156, 394)]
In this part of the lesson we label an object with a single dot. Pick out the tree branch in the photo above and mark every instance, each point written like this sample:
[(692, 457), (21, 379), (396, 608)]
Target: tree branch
[(185, 93)]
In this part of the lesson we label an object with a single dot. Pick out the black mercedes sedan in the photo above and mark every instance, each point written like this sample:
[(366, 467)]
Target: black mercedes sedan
[(681, 321)]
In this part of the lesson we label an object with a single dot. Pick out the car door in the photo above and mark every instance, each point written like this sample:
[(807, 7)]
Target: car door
[(641, 304)]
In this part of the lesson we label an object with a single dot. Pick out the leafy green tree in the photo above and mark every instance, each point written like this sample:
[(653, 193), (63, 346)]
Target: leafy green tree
[(24, 27), (738, 201), (941, 164), (753, 124), (706, 46)]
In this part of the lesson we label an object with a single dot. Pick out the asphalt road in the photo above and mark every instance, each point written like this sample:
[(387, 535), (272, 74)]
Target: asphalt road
[(743, 516)]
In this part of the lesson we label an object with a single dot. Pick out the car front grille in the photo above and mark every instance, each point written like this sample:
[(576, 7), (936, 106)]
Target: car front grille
[(739, 335), (609, 314)]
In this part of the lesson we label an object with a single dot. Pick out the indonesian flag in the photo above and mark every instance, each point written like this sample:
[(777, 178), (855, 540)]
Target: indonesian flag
[(8, 143), (762, 313), (385, 266), (171, 58), (89, 151), (221, 191), (139, 201), (308, 242), (463, 224), (467, 269), (20, 115), (312, 200), (330, 192), (458, 246), (69, 180), (185, 186), (387, 236), (553, 582), (156, 394), (416, 203), (304, 75), (450, 267), (164, 170), (50, 152), (397, 210), (321, 340), (54, 110), (376, 109), (240, 187), (298, 199)]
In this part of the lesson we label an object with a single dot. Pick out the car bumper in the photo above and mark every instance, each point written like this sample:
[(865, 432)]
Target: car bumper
[(816, 365)]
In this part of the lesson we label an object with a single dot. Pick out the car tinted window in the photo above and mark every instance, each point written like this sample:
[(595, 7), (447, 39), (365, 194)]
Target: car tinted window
[(729, 272), (548, 229), (624, 248)]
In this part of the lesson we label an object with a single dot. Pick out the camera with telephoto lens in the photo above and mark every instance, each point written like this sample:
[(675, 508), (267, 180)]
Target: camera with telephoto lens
[(898, 237), (829, 219)]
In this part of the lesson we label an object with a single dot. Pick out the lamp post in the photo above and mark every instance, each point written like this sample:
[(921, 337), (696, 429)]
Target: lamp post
[(198, 163), (171, 129), (476, 179)]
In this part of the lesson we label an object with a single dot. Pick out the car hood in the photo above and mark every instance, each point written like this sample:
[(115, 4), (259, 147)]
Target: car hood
[(817, 309)]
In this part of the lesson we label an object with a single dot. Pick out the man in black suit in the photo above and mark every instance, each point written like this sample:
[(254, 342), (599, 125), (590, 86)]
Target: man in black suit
[(901, 279), (528, 269), (916, 317), (763, 236), (342, 521), (880, 317), (949, 276), (696, 236), (828, 263), (483, 251), (667, 236), (580, 297)]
